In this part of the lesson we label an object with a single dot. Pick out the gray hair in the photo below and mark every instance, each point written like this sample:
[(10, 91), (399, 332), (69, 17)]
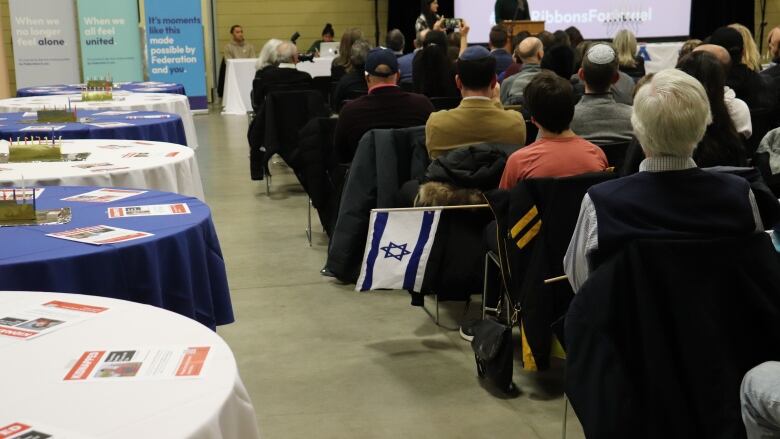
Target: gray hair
[(286, 52), (395, 40), (359, 53), (671, 114), (268, 55)]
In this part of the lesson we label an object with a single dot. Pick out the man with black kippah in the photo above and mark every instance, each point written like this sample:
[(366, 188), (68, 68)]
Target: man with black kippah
[(385, 105), (479, 118), (597, 117)]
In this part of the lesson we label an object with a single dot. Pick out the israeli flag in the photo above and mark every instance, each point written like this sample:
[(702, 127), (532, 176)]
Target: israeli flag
[(397, 250)]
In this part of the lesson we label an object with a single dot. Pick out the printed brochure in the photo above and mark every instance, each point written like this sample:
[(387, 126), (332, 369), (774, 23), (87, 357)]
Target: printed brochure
[(140, 364), (45, 318), (153, 210), (99, 235), (105, 195)]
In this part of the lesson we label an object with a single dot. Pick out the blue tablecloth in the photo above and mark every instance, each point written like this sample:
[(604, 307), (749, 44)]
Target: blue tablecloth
[(133, 87), (141, 125), (180, 268)]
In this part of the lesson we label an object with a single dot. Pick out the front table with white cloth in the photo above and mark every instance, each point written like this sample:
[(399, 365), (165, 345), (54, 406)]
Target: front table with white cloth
[(212, 406), (162, 102), (112, 163), (239, 74)]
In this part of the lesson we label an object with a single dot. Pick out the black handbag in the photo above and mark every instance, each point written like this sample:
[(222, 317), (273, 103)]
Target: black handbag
[(493, 352)]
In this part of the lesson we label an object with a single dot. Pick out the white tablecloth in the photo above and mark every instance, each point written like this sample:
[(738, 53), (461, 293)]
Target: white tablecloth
[(178, 173), (213, 406), (163, 102), (239, 74), (661, 55)]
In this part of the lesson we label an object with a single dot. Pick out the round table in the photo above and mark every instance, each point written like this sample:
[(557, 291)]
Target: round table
[(133, 87), (180, 268), (162, 102), (122, 163), (94, 124), (212, 406)]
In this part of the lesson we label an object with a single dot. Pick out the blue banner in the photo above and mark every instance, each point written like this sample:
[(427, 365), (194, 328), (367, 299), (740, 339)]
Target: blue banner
[(174, 46)]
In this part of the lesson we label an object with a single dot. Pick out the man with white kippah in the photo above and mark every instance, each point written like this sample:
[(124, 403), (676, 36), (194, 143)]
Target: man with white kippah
[(670, 197), (597, 117)]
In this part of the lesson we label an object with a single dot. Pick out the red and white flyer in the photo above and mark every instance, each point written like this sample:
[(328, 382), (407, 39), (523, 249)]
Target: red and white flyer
[(33, 430), (45, 318), (140, 364), (152, 210), (99, 235), (105, 195)]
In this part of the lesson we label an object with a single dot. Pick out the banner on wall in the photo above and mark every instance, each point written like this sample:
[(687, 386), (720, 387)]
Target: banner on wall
[(44, 41), (174, 46), (110, 39)]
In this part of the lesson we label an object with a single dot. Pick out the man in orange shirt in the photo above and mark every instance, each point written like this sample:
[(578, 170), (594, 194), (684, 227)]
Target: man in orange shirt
[(559, 152)]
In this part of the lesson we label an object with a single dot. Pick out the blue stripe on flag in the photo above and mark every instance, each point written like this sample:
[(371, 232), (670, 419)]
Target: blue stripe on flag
[(411, 270), (379, 229)]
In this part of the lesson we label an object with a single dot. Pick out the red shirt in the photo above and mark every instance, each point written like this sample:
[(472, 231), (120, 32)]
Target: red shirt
[(558, 157)]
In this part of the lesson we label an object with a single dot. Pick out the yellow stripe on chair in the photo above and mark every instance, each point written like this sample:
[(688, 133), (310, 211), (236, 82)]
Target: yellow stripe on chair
[(529, 363), (524, 221), (531, 234)]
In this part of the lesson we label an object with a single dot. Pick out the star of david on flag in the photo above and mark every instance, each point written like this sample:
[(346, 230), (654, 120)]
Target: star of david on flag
[(397, 250)]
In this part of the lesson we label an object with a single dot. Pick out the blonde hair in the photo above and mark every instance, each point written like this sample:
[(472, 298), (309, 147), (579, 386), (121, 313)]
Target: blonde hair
[(750, 56), (625, 45), (670, 114)]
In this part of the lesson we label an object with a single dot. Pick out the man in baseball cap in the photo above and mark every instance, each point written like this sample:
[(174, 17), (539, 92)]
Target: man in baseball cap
[(385, 105)]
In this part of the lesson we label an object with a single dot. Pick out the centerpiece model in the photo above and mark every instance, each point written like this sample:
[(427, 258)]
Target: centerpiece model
[(98, 90), (35, 149), (57, 116), (17, 205)]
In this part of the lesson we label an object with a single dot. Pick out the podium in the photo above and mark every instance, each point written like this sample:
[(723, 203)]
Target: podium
[(514, 27)]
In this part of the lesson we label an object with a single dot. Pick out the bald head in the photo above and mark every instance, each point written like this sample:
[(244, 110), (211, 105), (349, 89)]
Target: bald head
[(774, 42), (720, 53), (531, 50)]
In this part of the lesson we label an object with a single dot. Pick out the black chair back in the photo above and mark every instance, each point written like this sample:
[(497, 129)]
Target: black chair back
[(322, 85), (445, 103), (260, 91), (764, 120), (616, 153), (407, 87)]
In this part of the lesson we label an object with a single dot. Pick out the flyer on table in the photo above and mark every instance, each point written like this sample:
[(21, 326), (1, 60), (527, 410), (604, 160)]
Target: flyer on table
[(45, 318), (22, 429), (140, 364), (105, 195), (153, 210), (99, 235)]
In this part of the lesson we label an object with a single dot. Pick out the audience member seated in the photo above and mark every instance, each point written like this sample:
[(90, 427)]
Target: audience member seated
[(560, 60), (517, 63), (559, 152), (385, 106), (760, 394), (432, 72), (498, 40), (738, 109), (622, 90), (341, 63), (575, 36), (531, 52), (547, 39), (561, 39), (284, 73), (688, 47), (396, 42), (267, 54), (750, 56), (479, 118), (773, 42), (328, 34), (405, 62), (354, 82), (597, 117), (747, 84), (721, 145), (670, 198), (626, 47)]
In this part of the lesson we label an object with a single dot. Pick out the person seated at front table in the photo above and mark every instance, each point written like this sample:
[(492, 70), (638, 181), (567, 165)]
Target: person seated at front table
[(282, 72), (670, 198), (559, 152), (238, 48), (353, 83), (385, 106), (479, 118), (597, 117), (327, 37)]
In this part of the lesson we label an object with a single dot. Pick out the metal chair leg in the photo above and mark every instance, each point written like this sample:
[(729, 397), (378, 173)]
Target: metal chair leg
[(308, 226), (565, 415)]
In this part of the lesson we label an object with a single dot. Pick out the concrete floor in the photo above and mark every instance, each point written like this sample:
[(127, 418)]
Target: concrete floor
[(323, 361)]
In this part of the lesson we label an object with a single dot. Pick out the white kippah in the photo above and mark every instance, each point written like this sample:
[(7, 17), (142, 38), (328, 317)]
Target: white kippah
[(601, 54)]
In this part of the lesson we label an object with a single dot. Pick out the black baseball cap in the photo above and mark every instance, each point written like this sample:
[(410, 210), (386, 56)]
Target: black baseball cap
[(381, 56)]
